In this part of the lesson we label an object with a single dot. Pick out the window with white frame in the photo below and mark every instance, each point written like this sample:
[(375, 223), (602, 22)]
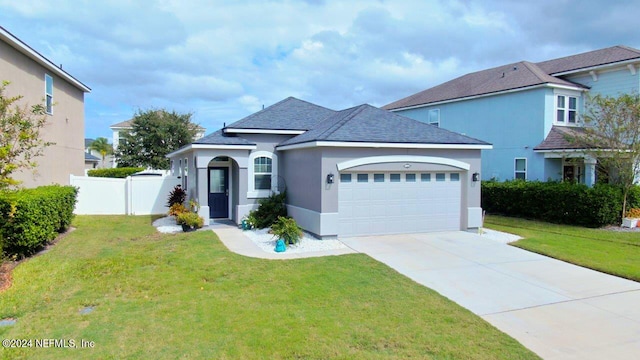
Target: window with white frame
[(566, 109), (520, 169), (262, 167), (185, 181), (433, 117), (263, 172), (48, 93)]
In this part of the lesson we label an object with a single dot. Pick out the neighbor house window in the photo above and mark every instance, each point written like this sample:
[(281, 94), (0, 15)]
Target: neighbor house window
[(521, 169), (262, 173), (566, 109), (185, 183), (48, 93), (434, 117)]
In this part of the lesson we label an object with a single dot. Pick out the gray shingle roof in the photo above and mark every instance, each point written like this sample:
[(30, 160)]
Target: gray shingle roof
[(91, 158), (589, 59), (220, 138), (366, 123), (288, 114), (515, 76), (561, 138)]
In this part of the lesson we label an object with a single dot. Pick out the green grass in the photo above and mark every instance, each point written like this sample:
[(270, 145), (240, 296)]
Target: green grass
[(186, 296), (616, 253)]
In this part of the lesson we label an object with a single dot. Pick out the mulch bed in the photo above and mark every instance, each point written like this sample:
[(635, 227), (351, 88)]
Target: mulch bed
[(7, 266)]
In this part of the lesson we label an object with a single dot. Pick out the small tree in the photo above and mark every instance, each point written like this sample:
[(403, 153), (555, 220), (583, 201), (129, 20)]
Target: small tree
[(20, 141), (612, 135), (154, 134), (102, 146)]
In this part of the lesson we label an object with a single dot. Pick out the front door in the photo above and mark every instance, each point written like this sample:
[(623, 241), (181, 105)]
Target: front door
[(218, 192)]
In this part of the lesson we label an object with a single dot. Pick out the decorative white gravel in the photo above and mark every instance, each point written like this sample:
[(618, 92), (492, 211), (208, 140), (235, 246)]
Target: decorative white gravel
[(167, 225), (267, 242)]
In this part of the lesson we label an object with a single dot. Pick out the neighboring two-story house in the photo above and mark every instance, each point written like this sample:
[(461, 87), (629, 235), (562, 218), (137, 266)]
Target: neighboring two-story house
[(358, 171), (40, 81), (528, 111)]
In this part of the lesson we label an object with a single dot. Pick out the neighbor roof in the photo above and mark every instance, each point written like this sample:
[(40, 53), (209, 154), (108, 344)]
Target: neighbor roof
[(515, 76), (29, 52), (562, 138), (288, 114), (366, 123), (90, 158)]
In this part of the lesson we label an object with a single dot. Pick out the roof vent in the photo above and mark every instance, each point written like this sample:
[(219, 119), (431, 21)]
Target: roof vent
[(502, 74), (515, 67)]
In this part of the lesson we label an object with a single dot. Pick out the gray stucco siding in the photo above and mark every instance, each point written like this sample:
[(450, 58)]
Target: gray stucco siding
[(302, 172)]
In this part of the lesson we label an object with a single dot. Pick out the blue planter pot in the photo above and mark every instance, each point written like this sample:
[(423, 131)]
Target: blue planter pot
[(280, 247)]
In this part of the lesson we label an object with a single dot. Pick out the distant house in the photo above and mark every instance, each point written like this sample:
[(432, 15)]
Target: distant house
[(40, 81), (528, 111), (93, 159), (121, 128), (357, 171)]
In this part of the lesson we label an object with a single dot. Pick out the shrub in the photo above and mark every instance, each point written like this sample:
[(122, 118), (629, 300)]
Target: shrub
[(556, 202), (177, 209), (287, 229), (269, 210), (176, 196), (34, 217), (114, 172), (190, 219)]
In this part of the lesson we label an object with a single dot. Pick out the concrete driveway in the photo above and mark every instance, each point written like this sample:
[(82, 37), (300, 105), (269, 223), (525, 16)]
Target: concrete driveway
[(558, 310)]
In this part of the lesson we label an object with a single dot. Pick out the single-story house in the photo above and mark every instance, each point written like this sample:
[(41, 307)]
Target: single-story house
[(358, 171)]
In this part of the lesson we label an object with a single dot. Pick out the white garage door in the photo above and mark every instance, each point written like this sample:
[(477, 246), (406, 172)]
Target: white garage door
[(391, 203)]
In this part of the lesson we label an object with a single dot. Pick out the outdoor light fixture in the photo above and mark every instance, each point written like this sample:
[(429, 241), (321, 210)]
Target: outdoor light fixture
[(329, 178), (475, 177)]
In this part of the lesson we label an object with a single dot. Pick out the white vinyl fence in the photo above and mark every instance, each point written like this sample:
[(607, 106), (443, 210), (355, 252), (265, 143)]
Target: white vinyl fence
[(135, 195)]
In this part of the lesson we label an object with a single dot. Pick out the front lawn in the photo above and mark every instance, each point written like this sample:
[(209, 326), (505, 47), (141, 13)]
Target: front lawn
[(160, 296), (612, 252)]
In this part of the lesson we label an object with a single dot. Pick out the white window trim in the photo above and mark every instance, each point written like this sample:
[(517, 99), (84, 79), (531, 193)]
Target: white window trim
[(251, 192), (436, 123), (47, 110), (565, 121), (526, 165)]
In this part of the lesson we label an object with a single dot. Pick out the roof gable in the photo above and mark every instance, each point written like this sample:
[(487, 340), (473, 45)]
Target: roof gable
[(288, 114), (32, 54), (366, 123)]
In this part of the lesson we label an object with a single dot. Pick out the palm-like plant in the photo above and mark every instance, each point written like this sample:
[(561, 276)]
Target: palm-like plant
[(102, 146)]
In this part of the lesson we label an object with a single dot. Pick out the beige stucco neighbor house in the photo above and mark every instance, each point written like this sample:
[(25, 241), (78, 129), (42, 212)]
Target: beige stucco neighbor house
[(39, 80)]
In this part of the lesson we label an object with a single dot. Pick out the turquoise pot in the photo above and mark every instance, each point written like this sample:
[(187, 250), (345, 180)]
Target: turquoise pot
[(280, 246)]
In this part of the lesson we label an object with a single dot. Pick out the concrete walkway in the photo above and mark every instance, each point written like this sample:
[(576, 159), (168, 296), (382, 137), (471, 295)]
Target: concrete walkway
[(558, 310), (235, 240)]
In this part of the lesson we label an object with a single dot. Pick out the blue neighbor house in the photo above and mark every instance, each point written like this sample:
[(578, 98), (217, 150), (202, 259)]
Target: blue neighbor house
[(527, 110)]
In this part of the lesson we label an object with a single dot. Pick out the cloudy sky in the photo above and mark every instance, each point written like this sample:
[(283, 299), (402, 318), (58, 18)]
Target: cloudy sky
[(223, 60)]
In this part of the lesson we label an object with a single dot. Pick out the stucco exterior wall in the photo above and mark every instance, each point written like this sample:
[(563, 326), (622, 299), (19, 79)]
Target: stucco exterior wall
[(65, 127), (314, 203)]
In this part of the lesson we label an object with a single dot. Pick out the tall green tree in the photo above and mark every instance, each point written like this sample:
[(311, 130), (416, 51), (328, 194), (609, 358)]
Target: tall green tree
[(154, 134), (102, 146), (612, 136), (20, 141)]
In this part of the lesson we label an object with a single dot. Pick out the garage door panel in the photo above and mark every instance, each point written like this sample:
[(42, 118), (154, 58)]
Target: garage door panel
[(398, 207)]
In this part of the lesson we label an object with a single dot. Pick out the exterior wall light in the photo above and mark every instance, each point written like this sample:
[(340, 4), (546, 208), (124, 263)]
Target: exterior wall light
[(329, 178), (475, 177)]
